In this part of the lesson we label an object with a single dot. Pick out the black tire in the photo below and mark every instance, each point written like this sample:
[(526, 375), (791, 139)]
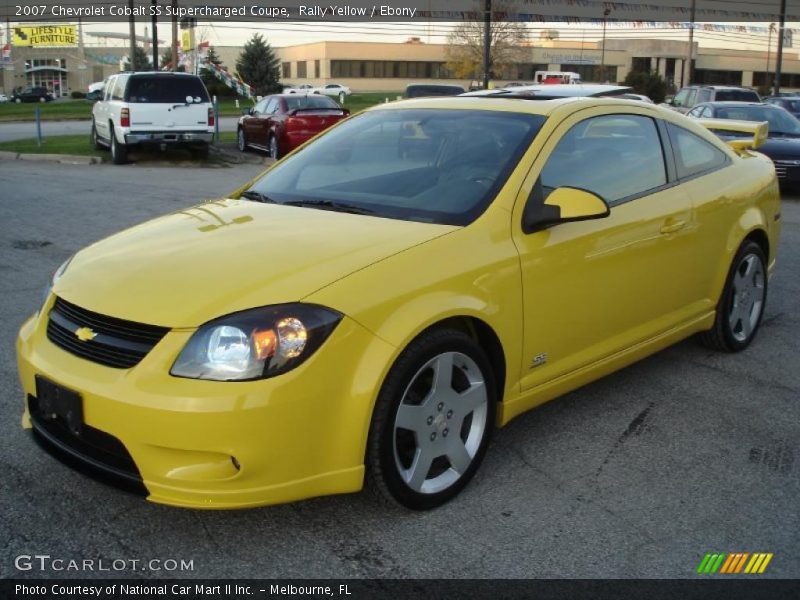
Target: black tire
[(241, 140), (199, 152), (726, 336), (95, 140), (119, 152), (387, 440), (274, 147)]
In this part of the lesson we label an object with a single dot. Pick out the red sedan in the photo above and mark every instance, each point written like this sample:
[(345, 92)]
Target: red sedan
[(280, 123)]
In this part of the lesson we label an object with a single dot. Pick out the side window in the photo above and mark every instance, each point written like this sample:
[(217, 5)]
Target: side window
[(690, 98), (693, 154), (261, 106), (614, 156), (272, 106), (680, 99), (703, 96), (108, 87), (706, 114), (119, 88), (696, 112)]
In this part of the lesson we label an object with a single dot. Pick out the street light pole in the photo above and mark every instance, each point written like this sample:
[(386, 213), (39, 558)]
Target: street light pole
[(779, 59), (687, 79), (606, 12), (769, 48), (487, 41), (132, 34)]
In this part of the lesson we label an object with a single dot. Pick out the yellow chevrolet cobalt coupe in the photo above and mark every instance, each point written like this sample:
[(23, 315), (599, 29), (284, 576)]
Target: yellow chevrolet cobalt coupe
[(370, 308)]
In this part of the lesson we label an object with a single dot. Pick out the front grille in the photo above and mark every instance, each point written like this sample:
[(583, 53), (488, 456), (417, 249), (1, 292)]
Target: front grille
[(783, 167), (94, 452), (780, 172), (116, 343)]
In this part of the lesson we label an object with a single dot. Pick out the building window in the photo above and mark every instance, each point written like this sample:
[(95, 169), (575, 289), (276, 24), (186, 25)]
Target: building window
[(317, 70), (287, 69), (390, 68), (593, 73), (717, 77), (301, 69), (640, 64)]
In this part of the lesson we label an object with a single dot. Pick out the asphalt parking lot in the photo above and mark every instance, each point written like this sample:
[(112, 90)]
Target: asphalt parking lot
[(636, 475)]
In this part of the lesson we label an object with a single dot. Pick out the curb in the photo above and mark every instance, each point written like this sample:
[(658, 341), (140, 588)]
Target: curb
[(67, 159)]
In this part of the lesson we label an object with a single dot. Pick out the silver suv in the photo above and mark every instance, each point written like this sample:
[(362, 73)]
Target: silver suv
[(693, 95)]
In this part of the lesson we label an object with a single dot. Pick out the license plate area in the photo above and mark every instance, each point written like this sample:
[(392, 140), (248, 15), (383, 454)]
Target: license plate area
[(57, 403)]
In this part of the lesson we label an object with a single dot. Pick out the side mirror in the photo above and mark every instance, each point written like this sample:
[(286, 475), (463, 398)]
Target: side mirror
[(563, 205)]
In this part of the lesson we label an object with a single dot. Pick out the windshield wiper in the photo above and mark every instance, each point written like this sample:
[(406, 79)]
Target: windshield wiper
[(258, 197), (330, 205)]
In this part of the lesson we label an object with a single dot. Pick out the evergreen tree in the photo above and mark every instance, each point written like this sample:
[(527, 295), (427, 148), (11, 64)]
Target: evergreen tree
[(166, 61), (141, 62), (651, 85), (259, 67), (205, 74)]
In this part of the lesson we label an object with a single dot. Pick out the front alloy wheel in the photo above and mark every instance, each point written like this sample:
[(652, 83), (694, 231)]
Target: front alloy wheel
[(742, 304), (274, 150), (433, 420), (241, 142)]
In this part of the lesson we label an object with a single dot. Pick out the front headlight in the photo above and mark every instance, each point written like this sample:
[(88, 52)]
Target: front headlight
[(56, 276), (257, 343)]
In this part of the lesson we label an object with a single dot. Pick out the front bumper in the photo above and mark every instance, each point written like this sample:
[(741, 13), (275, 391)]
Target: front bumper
[(207, 444), (169, 137)]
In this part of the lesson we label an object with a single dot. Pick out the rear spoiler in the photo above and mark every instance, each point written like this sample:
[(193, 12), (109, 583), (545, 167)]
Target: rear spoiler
[(758, 131)]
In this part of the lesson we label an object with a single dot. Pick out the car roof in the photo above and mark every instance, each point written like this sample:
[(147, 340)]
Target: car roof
[(734, 103), (518, 104), (562, 90), (720, 87)]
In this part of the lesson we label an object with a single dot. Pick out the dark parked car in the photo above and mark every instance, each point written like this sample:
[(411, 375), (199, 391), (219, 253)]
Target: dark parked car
[(423, 90), (280, 123), (790, 103), (783, 145), (32, 94)]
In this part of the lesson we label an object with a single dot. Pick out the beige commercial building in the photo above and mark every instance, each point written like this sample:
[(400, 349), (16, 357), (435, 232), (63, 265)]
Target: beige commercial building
[(389, 67)]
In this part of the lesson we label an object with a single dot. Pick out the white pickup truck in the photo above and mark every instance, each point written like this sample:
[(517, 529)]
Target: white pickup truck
[(153, 109)]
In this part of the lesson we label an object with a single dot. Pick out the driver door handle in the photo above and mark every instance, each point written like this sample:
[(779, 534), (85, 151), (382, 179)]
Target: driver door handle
[(672, 226)]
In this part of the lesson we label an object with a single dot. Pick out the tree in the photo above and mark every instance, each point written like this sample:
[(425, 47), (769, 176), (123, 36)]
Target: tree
[(506, 48), (259, 67), (141, 62), (166, 61), (205, 74), (651, 85)]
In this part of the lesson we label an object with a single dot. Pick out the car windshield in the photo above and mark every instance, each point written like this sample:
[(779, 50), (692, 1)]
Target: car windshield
[(432, 165), (165, 89), (780, 121), (322, 102)]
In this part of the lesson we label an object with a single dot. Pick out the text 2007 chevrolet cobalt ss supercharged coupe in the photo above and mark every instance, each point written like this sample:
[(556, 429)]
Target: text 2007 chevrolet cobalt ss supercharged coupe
[(374, 305)]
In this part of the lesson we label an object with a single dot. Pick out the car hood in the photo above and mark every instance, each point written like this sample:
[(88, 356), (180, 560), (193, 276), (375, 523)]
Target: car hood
[(213, 259)]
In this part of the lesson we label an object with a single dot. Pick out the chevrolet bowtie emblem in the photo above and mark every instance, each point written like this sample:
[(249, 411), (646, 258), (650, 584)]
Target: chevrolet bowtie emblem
[(85, 334)]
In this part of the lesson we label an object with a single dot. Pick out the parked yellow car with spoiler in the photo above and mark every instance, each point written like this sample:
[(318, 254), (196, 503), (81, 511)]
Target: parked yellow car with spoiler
[(372, 306)]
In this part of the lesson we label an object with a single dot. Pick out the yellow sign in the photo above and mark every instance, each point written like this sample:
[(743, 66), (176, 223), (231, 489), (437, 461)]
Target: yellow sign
[(45, 35), (186, 40)]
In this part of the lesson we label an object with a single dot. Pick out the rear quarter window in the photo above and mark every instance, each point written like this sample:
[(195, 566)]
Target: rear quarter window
[(737, 96), (694, 155)]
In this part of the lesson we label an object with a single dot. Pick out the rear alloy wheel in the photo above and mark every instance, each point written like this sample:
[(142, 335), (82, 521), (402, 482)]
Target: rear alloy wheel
[(119, 152), (241, 141), (433, 420), (274, 150), (742, 304)]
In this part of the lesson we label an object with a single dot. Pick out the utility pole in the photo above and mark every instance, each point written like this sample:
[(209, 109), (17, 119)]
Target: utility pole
[(769, 48), (132, 34), (154, 3), (779, 59), (606, 12), (687, 80), (174, 35), (487, 42)]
